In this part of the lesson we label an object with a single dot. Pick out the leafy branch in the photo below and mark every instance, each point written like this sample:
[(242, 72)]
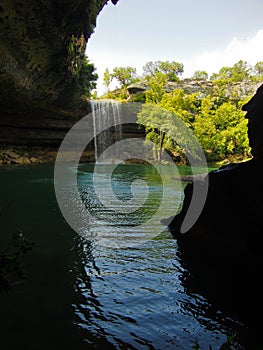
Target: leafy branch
[(11, 269)]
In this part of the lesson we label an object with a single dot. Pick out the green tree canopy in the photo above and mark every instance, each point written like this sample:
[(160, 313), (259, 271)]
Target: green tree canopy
[(213, 112), (87, 77), (222, 131), (124, 75), (182, 104), (258, 68), (107, 78), (171, 69), (157, 84), (240, 71), (200, 75)]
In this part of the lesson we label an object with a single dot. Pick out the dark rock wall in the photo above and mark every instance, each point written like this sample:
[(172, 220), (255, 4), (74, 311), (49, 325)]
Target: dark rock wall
[(232, 213), (42, 43)]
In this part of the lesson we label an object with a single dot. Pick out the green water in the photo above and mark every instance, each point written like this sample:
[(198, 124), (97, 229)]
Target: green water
[(81, 295)]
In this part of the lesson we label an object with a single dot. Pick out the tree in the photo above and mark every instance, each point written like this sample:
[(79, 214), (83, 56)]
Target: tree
[(156, 121), (150, 69), (166, 116), (223, 74), (222, 131), (258, 68), (200, 75), (170, 69), (204, 126), (239, 72), (124, 75), (213, 113), (82, 71), (87, 77), (157, 84), (184, 105), (107, 78)]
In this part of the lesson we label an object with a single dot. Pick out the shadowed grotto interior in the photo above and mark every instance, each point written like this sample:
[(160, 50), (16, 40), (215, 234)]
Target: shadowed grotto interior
[(42, 52)]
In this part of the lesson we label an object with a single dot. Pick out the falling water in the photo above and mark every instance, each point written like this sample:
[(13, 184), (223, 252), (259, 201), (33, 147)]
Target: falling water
[(107, 127)]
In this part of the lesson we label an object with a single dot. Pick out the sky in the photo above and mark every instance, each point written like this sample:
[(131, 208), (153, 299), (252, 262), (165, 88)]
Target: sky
[(203, 35)]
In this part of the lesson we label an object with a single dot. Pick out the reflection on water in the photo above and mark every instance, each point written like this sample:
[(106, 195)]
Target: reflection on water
[(135, 299), (88, 296), (127, 206)]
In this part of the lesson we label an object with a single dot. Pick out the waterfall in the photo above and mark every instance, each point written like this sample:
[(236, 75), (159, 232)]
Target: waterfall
[(106, 115)]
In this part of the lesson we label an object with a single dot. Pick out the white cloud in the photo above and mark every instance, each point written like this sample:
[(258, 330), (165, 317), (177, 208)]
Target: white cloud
[(250, 50)]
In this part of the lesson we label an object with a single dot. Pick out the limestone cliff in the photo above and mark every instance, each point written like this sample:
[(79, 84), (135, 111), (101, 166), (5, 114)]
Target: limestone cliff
[(202, 87), (42, 45)]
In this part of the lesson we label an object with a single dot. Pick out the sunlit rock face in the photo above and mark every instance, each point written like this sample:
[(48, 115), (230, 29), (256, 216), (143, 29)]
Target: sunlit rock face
[(202, 87), (41, 45)]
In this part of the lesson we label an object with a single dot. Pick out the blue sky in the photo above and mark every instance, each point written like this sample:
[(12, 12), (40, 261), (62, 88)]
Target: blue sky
[(203, 35)]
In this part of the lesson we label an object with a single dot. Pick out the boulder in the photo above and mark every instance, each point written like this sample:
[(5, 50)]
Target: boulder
[(21, 160), (230, 223), (11, 154)]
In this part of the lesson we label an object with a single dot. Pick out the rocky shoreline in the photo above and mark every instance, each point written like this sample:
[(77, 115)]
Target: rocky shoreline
[(33, 155), (25, 155)]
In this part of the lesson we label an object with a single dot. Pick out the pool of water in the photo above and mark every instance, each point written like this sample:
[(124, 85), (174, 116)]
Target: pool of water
[(105, 288)]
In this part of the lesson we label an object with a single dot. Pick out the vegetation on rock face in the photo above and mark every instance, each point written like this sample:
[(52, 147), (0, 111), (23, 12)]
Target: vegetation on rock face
[(81, 70), (210, 108)]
